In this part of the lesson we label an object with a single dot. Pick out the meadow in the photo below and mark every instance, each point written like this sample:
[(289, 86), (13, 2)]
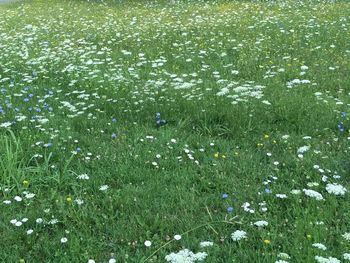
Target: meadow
[(191, 131)]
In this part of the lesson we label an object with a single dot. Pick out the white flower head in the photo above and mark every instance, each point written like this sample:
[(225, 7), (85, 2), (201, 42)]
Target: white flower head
[(313, 194), (185, 256), (238, 235), (281, 196), (148, 243), (320, 259), (336, 189), (5, 124), (303, 149), (18, 198), (283, 255), (206, 244), (177, 237), (285, 137), (104, 187), (83, 177), (346, 236), (261, 223), (319, 246), (346, 256)]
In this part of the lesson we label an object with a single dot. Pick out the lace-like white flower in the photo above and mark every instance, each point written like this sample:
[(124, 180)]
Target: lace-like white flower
[(319, 246), (313, 194), (238, 235), (336, 189), (185, 256)]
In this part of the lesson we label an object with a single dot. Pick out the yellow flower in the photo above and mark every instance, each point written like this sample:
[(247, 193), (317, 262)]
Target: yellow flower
[(267, 242), (69, 199), (274, 141), (223, 156), (22, 260), (260, 145), (266, 136), (236, 153), (25, 183), (308, 236), (216, 155)]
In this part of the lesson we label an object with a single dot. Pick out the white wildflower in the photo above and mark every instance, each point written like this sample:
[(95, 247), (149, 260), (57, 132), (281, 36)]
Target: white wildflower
[(346, 256), (346, 236), (5, 125), (313, 194), (281, 196), (261, 223), (336, 189), (148, 243), (285, 137), (104, 187), (238, 235), (83, 177), (320, 259), (185, 256), (303, 149), (206, 244), (177, 237), (79, 201), (18, 198), (319, 246), (283, 255), (29, 195)]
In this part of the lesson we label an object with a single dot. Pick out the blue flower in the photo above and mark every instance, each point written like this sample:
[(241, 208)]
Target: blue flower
[(268, 191), (343, 113), (224, 196), (48, 145), (230, 209), (114, 135), (159, 121)]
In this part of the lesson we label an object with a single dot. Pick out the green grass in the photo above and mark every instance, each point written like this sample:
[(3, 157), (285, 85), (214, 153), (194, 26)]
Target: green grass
[(80, 83)]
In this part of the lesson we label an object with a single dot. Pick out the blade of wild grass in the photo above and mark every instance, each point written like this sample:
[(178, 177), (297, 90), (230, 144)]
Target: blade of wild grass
[(11, 164)]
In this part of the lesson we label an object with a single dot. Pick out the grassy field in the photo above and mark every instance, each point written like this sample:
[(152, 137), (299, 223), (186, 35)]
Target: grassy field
[(136, 131)]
